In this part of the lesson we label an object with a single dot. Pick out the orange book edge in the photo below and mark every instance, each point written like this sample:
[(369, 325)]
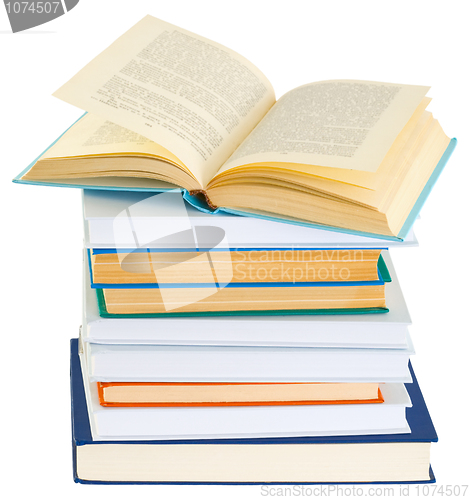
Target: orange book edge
[(103, 385)]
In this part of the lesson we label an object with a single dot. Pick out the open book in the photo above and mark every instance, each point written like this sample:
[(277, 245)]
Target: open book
[(168, 108)]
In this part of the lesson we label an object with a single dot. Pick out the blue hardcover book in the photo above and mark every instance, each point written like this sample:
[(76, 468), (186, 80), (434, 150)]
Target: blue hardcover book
[(383, 277), (392, 458)]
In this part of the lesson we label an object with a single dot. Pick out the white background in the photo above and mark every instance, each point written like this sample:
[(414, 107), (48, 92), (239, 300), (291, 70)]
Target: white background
[(293, 43)]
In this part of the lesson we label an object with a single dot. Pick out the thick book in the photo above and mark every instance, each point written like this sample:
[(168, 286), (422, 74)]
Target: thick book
[(363, 159), (151, 267), (322, 459), (349, 330), (302, 298), (157, 394)]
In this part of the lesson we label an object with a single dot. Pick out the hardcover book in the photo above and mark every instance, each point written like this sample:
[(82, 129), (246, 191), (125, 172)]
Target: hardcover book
[(148, 394), (186, 363), (151, 266)]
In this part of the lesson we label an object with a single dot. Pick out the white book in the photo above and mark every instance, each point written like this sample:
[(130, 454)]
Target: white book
[(166, 363), (168, 214), (175, 423), (381, 330)]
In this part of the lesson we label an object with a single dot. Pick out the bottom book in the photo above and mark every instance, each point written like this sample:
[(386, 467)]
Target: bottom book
[(390, 458)]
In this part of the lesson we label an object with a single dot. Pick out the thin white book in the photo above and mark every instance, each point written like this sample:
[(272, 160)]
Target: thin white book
[(377, 331), (168, 214), (170, 363), (176, 423)]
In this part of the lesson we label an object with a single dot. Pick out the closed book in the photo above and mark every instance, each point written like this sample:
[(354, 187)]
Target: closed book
[(154, 394), (149, 267), (183, 363)]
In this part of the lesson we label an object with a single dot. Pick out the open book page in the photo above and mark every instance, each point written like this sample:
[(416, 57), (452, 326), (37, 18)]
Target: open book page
[(194, 97), (344, 124), (93, 135), (369, 180)]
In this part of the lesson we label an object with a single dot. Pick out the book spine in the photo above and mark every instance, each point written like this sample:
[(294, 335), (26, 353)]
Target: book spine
[(201, 193)]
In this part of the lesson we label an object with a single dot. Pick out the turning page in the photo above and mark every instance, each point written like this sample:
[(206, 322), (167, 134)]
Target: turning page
[(192, 96)]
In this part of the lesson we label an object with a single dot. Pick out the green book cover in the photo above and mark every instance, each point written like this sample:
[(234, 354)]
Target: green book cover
[(280, 312)]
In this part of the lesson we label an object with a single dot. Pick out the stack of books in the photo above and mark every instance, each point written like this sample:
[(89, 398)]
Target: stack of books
[(242, 319), (210, 391)]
